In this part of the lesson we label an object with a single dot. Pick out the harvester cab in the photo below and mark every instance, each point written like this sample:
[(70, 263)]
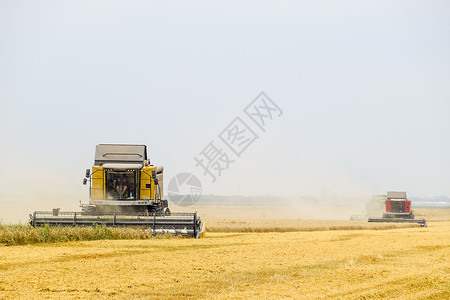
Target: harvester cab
[(122, 179), (125, 189), (398, 206)]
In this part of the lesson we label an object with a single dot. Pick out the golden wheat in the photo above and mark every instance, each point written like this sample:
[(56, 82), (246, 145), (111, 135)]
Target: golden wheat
[(12, 235), (223, 225)]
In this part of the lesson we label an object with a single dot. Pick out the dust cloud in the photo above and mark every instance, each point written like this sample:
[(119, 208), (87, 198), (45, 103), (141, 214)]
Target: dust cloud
[(40, 191), (300, 208), (273, 182), (291, 187)]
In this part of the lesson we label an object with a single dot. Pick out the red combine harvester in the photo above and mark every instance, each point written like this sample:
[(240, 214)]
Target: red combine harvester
[(398, 210)]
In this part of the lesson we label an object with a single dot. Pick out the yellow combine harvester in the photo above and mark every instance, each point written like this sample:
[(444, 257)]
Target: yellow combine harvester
[(125, 190)]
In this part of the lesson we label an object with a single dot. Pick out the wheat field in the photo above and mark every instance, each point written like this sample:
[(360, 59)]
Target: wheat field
[(404, 263), (261, 225)]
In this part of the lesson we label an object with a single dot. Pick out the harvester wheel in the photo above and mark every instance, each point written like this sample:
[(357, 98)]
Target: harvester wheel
[(167, 212)]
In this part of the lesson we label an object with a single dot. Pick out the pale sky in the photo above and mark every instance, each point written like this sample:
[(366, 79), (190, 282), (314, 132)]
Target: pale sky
[(363, 86)]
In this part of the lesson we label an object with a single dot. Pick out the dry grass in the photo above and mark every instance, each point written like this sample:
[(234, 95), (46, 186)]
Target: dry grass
[(405, 263), (13, 235)]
